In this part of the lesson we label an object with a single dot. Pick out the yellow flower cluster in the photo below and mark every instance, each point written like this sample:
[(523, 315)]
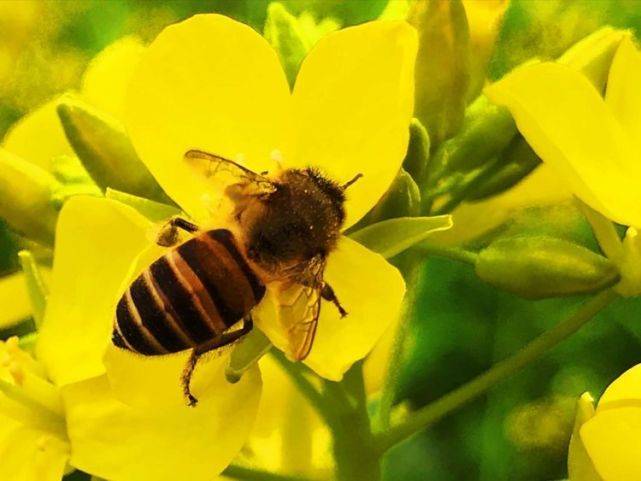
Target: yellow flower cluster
[(213, 84)]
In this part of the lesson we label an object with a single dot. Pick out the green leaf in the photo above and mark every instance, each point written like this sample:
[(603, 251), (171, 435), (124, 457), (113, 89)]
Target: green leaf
[(154, 211), (393, 236), (36, 286), (105, 150), (246, 353)]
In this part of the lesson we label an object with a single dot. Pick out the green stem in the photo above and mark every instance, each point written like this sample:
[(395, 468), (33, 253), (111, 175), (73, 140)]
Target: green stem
[(390, 382), (433, 412), (306, 388), (453, 253), (249, 474)]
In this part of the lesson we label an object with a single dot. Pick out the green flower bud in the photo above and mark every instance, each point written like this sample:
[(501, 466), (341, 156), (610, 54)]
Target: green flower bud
[(282, 31), (538, 267), (26, 191), (402, 199), (442, 65), (517, 161), (393, 236), (418, 151), (106, 152), (487, 129), (253, 346), (593, 55)]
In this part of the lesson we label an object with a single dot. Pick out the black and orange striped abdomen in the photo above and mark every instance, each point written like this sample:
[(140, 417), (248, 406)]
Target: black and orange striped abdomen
[(187, 297)]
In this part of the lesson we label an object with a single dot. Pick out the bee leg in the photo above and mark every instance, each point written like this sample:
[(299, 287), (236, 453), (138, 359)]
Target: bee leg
[(168, 235), (328, 294), (215, 343)]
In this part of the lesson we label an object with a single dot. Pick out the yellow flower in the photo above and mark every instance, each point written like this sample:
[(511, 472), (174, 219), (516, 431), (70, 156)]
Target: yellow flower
[(609, 441), (136, 426), (289, 436), (593, 143), (213, 84), (33, 441)]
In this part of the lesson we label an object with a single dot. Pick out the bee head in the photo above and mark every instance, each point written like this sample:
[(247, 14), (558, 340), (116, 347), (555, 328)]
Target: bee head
[(300, 220)]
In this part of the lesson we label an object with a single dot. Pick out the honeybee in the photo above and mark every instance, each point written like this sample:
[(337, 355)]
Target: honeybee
[(280, 233)]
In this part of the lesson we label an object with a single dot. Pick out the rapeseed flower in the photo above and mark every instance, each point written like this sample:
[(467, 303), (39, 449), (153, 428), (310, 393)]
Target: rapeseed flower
[(606, 442), (33, 441), (125, 415), (593, 143), (213, 84)]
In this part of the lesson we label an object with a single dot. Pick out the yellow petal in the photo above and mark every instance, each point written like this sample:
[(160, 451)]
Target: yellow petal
[(623, 95), (147, 381), (97, 241), (15, 300), (353, 101), (289, 436), (38, 136), (567, 123), (580, 466), (369, 288), (612, 440), (207, 83), (627, 387), (123, 443), (105, 81), (30, 455)]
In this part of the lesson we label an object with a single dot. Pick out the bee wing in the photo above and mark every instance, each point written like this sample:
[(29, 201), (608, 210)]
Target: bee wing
[(300, 309), (226, 171)]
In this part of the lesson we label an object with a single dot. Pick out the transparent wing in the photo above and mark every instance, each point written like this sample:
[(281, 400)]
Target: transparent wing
[(300, 307), (226, 172)]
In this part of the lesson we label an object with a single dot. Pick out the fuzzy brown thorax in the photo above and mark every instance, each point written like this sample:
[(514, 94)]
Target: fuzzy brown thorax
[(299, 220)]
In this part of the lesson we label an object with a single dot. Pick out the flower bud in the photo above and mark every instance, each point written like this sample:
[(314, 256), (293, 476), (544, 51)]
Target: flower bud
[(593, 55), (106, 152), (484, 19), (442, 65), (418, 151), (391, 237), (26, 191), (486, 131), (517, 161), (538, 267), (402, 199), (283, 33)]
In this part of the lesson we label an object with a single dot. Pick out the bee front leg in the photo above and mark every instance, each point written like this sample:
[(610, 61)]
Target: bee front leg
[(215, 343), (328, 294), (168, 234)]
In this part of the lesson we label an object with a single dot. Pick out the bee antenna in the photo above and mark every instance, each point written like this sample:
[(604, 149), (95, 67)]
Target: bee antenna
[(350, 182)]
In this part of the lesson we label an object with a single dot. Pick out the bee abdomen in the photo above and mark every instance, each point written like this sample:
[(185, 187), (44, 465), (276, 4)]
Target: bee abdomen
[(187, 297)]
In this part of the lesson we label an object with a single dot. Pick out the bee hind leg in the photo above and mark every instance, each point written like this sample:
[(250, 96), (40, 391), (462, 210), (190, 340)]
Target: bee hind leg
[(215, 343), (328, 294), (168, 234)]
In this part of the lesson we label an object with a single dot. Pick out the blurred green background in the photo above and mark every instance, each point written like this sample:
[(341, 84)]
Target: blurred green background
[(519, 431)]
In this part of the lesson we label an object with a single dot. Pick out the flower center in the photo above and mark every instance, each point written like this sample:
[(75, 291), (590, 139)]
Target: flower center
[(25, 394)]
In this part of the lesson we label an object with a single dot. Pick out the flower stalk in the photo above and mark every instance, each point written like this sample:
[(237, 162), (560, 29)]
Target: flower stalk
[(430, 414)]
